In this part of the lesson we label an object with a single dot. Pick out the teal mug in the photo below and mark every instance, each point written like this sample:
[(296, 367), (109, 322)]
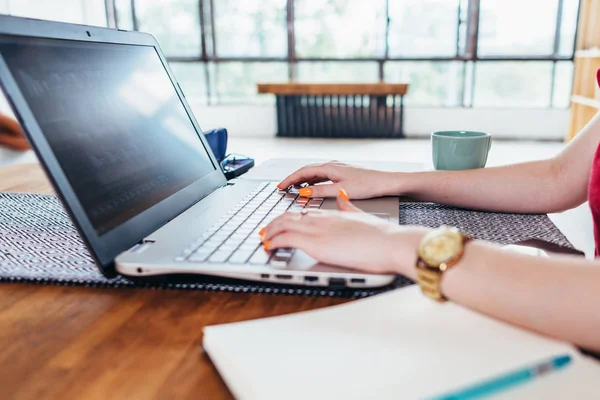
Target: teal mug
[(454, 150)]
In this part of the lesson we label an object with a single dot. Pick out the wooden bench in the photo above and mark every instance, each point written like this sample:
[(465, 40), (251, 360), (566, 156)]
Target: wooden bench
[(338, 110)]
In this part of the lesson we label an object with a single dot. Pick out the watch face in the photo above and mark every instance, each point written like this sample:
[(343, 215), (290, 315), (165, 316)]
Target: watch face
[(441, 246)]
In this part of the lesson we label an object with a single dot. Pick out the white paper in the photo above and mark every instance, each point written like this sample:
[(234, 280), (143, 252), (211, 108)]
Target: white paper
[(397, 345)]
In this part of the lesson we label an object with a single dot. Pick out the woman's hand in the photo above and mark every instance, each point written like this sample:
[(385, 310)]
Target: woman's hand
[(359, 182), (352, 239)]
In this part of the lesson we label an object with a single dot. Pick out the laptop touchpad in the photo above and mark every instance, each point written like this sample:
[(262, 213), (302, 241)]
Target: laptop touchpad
[(373, 206)]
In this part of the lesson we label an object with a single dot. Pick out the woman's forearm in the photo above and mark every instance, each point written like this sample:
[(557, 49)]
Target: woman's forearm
[(552, 185), (533, 187), (556, 296)]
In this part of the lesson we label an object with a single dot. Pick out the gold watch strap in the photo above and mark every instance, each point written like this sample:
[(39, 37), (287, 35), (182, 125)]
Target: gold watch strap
[(430, 282)]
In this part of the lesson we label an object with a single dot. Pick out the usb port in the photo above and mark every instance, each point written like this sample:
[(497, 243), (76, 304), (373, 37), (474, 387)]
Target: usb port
[(265, 276), (311, 278), (283, 276), (337, 282), (357, 280)]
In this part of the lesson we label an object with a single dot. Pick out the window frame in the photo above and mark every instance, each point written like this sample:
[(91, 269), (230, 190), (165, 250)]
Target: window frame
[(467, 55)]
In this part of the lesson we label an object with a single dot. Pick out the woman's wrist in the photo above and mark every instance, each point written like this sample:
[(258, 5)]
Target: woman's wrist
[(398, 183), (404, 246)]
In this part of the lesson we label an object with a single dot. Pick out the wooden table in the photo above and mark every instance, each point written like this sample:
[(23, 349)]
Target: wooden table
[(77, 342)]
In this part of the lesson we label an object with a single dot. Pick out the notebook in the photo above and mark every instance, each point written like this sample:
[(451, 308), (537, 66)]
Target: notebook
[(397, 345)]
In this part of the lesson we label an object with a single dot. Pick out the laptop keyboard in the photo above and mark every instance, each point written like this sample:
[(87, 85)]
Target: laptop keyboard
[(234, 238)]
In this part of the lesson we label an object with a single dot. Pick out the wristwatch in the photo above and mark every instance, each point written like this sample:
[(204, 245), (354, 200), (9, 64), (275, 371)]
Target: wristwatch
[(438, 251)]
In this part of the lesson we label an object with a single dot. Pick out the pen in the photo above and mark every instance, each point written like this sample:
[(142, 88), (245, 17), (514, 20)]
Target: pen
[(503, 382)]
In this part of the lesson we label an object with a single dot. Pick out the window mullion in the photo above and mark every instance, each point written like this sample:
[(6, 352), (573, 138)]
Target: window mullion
[(212, 29), (111, 13), (473, 13), (204, 56), (556, 48), (458, 25), (473, 10), (134, 20), (202, 30), (386, 51), (559, 13), (291, 40)]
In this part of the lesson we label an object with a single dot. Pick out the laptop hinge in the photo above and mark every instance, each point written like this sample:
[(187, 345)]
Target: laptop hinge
[(140, 247)]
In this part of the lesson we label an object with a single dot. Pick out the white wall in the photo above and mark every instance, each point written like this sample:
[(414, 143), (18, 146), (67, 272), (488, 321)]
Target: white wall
[(548, 124)]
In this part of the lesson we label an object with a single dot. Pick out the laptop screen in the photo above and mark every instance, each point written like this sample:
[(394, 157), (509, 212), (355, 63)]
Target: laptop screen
[(114, 121)]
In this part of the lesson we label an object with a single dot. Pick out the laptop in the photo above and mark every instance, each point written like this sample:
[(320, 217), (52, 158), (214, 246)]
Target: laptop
[(117, 139)]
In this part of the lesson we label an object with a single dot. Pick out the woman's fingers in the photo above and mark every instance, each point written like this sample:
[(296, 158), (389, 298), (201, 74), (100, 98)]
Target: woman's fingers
[(311, 173), (344, 204), (293, 240), (289, 222), (326, 190)]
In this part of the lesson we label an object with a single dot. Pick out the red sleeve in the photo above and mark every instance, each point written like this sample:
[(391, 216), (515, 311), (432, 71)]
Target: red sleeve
[(598, 77)]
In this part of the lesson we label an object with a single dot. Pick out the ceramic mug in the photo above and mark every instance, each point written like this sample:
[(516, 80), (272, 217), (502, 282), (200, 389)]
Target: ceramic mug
[(454, 150)]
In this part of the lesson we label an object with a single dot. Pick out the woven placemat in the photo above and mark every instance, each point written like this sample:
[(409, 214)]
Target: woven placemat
[(38, 244), (501, 228)]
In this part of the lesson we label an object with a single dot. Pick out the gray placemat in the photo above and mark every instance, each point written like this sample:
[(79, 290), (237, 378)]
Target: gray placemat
[(38, 244), (501, 228)]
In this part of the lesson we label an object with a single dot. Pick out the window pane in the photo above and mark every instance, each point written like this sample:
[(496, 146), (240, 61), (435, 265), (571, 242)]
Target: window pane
[(192, 79), (431, 83), (124, 18), (251, 28), (569, 27), (563, 84), (512, 84), (236, 81), (517, 27), (88, 12), (340, 28), (469, 83), (423, 27), (338, 72), (175, 23)]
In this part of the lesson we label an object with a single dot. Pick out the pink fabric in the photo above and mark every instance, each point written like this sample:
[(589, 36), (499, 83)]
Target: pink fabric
[(594, 192)]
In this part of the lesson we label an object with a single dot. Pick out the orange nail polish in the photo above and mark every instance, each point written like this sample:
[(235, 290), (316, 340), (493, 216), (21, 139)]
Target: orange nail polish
[(305, 192), (344, 195), (262, 230), (267, 245)]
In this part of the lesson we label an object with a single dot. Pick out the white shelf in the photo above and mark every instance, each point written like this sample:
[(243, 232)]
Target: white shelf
[(591, 53), (586, 101)]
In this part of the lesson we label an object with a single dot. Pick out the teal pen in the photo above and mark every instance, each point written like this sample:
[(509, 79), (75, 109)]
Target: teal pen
[(509, 380)]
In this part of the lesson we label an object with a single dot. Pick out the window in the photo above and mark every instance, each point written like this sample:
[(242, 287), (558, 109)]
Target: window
[(507, 27), (513, 84), (423, 28), (123, 14), (236, 81), (563, 84), (192, 77), (250, 28), (454, 53), (568, 27), (337, 72), (89, 12), (339, 28), (174, 23), (432, 83)]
